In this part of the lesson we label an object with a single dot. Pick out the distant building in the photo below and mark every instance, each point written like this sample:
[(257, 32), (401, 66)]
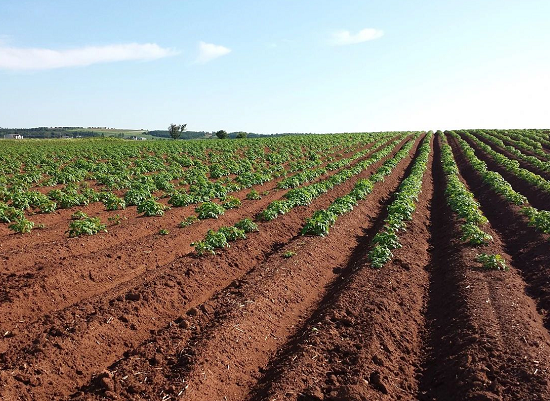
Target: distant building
[(13, 136), (66, 137), (138, 138)]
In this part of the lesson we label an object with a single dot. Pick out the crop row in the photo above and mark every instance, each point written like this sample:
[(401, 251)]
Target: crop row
[(461, 200), (400, 209), (321, 220), (141, 191), (516, 150), (540, 219), (512, 166), (303, 196)]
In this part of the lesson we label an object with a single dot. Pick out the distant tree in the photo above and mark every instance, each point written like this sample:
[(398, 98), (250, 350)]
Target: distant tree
[(241, 135), (221, 134), (175, 131)]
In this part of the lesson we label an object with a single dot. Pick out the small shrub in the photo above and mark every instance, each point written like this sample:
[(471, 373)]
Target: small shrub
[(164, 231)]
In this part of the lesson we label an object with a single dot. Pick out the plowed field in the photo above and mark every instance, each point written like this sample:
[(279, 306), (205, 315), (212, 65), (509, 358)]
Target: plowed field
[(131, 314)]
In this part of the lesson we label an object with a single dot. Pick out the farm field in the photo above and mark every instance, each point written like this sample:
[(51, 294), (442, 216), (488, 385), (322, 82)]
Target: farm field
[(370, 266)]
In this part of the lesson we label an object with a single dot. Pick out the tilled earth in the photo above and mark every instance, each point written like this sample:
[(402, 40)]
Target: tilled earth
[(133, 315)]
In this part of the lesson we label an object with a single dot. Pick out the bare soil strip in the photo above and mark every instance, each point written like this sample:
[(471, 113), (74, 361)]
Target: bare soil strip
[(55, 355)]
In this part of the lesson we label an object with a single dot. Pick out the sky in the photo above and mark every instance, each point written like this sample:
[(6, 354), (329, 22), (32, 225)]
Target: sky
[(270, 66)]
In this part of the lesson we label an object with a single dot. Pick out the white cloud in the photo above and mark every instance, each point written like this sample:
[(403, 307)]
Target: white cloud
[(16, 58), (209, 51), (342, 38)]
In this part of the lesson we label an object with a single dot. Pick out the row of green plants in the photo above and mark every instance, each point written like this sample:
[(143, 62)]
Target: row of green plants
[(142, 187), (303, 196), (489, 177), (310, 175), (401, 209), (497, 140), (539, 219), (321, 221), (530, 140), (461, 200), (512, 166), (221, 238)]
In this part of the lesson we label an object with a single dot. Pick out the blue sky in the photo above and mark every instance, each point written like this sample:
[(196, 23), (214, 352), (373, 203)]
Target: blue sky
[(275, 66)]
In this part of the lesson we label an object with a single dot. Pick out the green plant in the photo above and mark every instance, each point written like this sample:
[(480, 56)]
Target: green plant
[(491, 262), (164, 231), (21, 226), (288, 254), (113, 202), (253, 195), (116, 219), (9, 213), (180, 199), (151, 207), (85, 226), (319, 223), (202, 248), (231, 202), (209, 210), (473, 235), (232, 233), (78, 215), (246, 225), (379, 256), (188, 221)]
